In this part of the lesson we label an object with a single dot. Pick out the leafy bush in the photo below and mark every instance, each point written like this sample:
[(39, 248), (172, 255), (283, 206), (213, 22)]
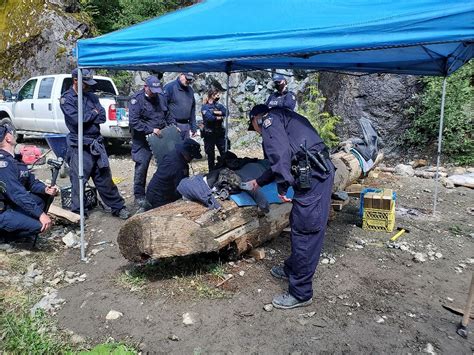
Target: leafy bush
[(113, 15), (323, 122), (458, 130)]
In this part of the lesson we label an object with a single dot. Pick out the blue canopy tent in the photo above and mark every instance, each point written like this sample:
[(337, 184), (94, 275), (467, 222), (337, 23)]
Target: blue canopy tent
[(424, 37)]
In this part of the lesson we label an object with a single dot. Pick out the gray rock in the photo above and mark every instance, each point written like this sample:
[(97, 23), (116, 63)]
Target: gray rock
[(268, 307), (5, 247), (189, 318), (71, 240), (77, 339), (419, 257), (404, 170), (113, 315), (49, 302)]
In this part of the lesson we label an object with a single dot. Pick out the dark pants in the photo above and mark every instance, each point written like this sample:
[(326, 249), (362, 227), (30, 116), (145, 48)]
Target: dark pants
[(212, 140), (17, 222), (141, 155), (308, 221), (102, 178), (184, 130)]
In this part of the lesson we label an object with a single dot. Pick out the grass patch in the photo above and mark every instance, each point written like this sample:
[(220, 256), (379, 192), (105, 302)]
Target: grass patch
[(28, 334), (132, 279), (456, 230), (205, 290), (110, 349)]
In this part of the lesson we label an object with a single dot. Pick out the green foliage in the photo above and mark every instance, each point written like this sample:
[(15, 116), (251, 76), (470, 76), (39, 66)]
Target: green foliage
[(122, 79), (458, 130), (113, 15), (323, 122), (110, 349), (27, 334)]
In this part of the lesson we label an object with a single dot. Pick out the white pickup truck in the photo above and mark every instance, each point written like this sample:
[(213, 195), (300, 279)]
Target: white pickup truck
[(35, 109)]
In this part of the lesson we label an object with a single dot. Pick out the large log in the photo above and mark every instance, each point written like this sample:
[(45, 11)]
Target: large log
[(184, 227)]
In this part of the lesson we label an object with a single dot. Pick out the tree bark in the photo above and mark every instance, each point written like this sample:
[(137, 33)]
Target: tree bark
[(185, 228)]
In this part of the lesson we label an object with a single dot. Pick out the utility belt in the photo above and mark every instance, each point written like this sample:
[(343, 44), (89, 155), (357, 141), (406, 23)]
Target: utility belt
[(183, 120), (307, 163)]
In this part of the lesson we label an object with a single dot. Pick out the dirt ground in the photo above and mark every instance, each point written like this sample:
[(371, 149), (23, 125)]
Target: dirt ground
[(369, 297)]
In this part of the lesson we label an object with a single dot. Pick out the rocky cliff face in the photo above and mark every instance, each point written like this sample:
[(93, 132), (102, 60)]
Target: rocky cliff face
[(38, 38), (383, 99)]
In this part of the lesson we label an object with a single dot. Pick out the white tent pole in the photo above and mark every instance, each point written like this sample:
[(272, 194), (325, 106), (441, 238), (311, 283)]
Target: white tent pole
[(80, 147), (440, 140), (227, 112)]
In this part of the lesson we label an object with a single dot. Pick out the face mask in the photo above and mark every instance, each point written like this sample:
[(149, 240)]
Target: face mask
[(278, 85)]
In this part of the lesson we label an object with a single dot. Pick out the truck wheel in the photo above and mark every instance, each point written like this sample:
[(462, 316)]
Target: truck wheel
[(20, 138)]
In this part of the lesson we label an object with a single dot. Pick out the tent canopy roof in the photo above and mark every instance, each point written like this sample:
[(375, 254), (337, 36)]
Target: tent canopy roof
[(427, 37)]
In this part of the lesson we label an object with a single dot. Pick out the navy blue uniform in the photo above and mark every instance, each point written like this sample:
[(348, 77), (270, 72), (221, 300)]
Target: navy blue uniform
[(162, 188), (145, 114), (22, 199), (181, 106), (285, 99), (96, 161), (283, 131), (214, 131)]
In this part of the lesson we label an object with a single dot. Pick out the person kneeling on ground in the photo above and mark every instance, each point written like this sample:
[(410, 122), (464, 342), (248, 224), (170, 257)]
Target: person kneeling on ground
[(162, 188), (22, 196)]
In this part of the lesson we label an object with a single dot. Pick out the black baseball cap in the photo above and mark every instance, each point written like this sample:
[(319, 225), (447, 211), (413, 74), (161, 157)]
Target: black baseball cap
[(6, 127), (193, 148), (154, 84), (278, 77), (256, 110), (87, 76)]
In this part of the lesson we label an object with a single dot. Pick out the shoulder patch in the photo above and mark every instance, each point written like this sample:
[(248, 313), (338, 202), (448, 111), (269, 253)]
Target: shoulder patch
[(133, 101), (267, 123), (62, 100), (3, 164)]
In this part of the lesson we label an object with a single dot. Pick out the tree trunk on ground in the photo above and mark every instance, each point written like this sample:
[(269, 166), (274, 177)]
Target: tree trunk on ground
[(184, 227)]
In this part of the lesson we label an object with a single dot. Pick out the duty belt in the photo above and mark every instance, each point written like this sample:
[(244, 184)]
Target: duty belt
[(183, 120)]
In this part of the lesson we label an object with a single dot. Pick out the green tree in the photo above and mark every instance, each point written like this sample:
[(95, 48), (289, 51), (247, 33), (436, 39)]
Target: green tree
[(323, 122), (113, 15), (458, 129)]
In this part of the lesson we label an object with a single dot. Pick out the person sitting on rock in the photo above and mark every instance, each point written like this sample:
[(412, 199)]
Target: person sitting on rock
[(22, 196)]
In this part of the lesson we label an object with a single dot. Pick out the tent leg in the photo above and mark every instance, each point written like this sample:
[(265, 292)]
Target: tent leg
[(227, 113), (80, 133), (440, 140)]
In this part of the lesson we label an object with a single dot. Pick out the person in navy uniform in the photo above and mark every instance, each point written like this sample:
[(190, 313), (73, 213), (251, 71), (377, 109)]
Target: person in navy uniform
[(283, 132), (22, 196), (181, 104), (281, 97), (147, 115), (213, 115), (162, 188), (96, 161)]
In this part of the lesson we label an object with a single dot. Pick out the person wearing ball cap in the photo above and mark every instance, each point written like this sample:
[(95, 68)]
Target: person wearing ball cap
[(281, 97), (147, 115), (284, 134)]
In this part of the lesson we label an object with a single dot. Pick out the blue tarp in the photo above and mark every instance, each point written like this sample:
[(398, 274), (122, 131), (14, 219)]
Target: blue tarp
[(427, 37)]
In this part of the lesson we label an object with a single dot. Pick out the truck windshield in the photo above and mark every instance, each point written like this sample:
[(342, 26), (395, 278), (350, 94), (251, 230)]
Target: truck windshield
[(102, 88)]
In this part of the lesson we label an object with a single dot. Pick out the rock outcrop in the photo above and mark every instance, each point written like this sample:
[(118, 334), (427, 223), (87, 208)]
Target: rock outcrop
[(38, 38)]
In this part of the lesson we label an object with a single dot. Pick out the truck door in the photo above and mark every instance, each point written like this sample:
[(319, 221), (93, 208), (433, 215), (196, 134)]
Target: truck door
[(24, 108), (44, 114)]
